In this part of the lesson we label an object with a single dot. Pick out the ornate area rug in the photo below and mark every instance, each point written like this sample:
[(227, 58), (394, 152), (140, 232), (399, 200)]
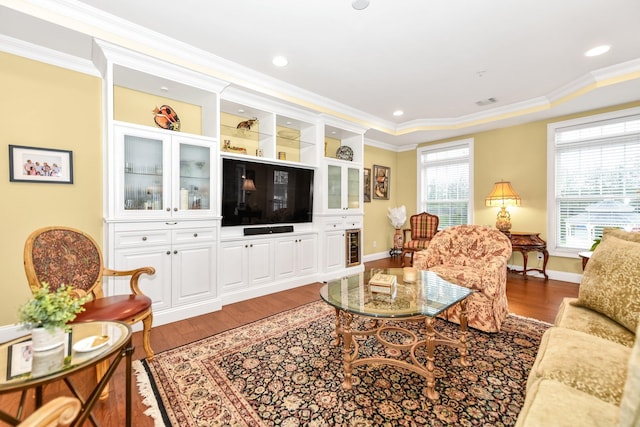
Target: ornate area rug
[(285, 370)]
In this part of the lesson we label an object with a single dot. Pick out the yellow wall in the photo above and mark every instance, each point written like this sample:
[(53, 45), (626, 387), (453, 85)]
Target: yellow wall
[(49, 107), (137, 107)]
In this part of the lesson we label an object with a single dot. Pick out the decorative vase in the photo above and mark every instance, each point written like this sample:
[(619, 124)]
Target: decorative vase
[(397, 239), (43, 339)]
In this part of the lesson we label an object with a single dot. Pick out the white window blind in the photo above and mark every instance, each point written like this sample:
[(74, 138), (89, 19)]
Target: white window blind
[(597, 179), (445, 188)]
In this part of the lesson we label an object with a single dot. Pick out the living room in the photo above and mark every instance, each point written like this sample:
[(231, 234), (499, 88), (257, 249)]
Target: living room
[(516, 153)]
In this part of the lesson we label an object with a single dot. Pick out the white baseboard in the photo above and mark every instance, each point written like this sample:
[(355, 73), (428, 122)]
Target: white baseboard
[(553, 274)]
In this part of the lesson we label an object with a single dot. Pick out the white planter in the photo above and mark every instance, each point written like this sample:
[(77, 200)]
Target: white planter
[(43, 339), (47, 362)]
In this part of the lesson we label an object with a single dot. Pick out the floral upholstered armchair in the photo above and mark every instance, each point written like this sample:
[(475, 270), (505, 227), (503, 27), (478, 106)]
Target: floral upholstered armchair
[(476, 257)]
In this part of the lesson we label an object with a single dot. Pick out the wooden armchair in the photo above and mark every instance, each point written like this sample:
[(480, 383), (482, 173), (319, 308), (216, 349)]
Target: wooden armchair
[(423, 227), (62, 255), (59, 412)]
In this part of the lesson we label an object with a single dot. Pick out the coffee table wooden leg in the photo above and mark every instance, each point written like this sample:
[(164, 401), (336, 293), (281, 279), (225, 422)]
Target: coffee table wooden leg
[(347, 353), (338, 328), (431, 366), (463, 348)]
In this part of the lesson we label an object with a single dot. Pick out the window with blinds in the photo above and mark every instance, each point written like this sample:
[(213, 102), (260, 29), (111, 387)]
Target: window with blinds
[(596, 178), (445, 188)]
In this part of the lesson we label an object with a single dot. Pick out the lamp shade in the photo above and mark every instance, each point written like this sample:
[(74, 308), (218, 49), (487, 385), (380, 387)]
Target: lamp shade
[(248, 185), (502, 194)]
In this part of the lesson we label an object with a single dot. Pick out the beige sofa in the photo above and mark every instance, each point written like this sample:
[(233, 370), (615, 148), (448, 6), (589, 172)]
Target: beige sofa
[(587, 370)]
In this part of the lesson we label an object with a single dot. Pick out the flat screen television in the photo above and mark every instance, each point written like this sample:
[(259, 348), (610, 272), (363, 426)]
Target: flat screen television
[(255, 193)]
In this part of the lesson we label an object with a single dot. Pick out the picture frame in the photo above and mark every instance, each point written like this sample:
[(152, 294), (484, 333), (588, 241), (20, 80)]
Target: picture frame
[(33, 164), (381, 175), (20, 356), (366, 184)]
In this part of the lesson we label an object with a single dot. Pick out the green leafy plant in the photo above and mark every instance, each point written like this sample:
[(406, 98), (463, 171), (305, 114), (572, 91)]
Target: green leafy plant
[(51, 309), (596, 242)]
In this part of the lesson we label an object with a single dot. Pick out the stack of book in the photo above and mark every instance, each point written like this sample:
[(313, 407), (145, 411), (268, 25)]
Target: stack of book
[(382, 283)]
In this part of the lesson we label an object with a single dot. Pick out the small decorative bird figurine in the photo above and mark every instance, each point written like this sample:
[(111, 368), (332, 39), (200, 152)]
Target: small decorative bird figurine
[(247, 124), (167, 118)]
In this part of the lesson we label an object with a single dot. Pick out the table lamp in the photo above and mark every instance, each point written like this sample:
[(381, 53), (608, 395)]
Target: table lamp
[(503, 195)]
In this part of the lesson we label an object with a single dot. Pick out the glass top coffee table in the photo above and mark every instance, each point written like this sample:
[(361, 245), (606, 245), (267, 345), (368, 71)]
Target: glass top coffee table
[(420, 300)]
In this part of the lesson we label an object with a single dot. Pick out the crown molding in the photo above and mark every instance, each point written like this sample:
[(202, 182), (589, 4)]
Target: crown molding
[(389, 147), (48, 56)]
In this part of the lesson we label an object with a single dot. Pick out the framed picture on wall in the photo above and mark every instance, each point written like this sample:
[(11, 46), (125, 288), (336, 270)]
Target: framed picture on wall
[(381, 176), (32, 164), (366, 184)]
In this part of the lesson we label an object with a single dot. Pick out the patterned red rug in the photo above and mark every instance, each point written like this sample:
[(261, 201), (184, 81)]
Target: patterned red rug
[(284, 370)]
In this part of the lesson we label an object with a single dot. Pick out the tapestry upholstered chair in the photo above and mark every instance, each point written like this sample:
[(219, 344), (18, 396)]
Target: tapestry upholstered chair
[(476, 257), (59, 412), (62, 255), (423, 227)]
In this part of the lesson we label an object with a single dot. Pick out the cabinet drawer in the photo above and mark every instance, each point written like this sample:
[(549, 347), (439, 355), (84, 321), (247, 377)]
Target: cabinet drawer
[(334, 225), (142, 238), (353, 223), (194, 235)]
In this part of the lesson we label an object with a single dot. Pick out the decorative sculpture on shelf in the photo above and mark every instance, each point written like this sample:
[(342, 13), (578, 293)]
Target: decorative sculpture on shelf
[(247, 124), (397, 216), (167, 118)]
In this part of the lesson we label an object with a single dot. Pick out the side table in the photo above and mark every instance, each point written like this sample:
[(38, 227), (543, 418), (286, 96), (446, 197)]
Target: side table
[(585, 257), (18, 372), (525, 242)]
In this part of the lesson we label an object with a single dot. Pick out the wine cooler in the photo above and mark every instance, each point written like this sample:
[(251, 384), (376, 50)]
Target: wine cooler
[(353, 247)]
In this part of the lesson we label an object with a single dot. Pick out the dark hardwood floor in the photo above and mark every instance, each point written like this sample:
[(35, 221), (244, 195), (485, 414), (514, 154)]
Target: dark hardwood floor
[(533, 298)]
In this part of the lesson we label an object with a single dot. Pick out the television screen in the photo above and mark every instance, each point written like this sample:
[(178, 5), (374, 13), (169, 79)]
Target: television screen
[(255, 193)]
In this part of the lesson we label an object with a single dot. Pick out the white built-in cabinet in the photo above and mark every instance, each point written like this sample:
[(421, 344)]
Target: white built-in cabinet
[(162, 188), (184, 256), (296, 256), (246, 264), (164, 200), (335, 240), (341, 196), (163, 174), (343, 187)]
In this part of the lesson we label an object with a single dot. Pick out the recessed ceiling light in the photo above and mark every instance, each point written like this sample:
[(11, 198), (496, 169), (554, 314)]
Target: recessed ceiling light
[(240, 110), (280, 61), (398, 113), (598, 50), (360, 4), (164, 88)]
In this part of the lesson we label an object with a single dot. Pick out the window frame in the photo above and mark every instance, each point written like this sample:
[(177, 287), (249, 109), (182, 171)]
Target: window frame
[(552, 217), (466, 142)]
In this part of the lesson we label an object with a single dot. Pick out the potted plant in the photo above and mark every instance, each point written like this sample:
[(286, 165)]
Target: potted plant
[(48, 313)]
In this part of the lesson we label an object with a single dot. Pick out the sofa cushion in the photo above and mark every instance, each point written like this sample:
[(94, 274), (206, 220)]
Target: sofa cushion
[(551, 403), (582, 361), (610, 281), (631, 236), (593, 323), (630, 404)]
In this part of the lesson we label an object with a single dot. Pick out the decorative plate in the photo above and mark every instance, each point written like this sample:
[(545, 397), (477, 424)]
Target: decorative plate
[(91, 343), (344, 152)]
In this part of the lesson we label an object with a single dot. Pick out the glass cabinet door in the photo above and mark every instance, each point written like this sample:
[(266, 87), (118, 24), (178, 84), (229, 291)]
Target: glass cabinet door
[(334, 187), (194, 177), (353, 188), (143, 174)]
